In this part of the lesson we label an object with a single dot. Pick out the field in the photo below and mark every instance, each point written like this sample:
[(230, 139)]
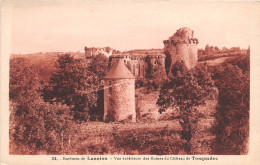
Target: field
[(216, 61), (97, 138)]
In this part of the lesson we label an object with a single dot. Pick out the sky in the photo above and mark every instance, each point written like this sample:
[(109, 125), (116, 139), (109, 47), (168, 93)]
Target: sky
[(61, 26)]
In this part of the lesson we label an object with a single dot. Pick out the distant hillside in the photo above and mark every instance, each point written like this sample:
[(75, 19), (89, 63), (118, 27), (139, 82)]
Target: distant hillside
[(152, 51), (45, 62), (242, 60)]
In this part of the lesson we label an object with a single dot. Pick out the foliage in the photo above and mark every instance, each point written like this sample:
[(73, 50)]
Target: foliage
[(77, 83), (185, 92), (178, 68), (35, 126), (188, 90), (211, 52), (154, 79), (243, 62), (23, 79), (73, 84), (233, 110), (99, 66)]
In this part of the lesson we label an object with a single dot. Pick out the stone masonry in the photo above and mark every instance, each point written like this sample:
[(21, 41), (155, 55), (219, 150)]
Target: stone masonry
[(181, 47), (119, 94)]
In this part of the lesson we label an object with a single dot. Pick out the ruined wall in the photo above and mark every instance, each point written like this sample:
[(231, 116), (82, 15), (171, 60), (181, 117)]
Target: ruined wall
[(90, 52), (186, 53), (181, 47), (139, 65), (119, 100)]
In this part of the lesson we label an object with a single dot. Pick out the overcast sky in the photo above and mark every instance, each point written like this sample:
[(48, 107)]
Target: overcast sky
[(44, 26)]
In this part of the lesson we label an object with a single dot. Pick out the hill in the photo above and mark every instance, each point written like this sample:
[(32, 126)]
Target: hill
[(45, 62)]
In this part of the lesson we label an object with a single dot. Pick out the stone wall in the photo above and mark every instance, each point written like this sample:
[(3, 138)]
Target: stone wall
[(181, 47), (119, 100), (188, 54), (138, 65), (90, 52)]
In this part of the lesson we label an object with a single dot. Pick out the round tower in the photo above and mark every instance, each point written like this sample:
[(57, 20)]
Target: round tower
[(119, 94), (181, 47)]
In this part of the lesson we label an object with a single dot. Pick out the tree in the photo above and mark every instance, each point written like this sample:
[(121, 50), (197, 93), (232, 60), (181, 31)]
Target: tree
[(39, 127), (186, 92), (32, 121), (233, 111), (201, 52), (98, 66), (216, 49), (179, 68), (74, 85), (207, 50), (23, 80), (155, 77)]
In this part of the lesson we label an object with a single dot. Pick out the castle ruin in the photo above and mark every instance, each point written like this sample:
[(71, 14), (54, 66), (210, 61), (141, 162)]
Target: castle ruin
[(119, 83), (140, 61), (92, 51), (181, 47)]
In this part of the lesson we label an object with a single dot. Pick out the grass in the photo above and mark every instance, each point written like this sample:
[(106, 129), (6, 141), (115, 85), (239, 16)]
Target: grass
[(99, 138)]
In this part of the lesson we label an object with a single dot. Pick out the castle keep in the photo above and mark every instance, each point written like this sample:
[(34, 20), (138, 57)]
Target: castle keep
[(181, 47)]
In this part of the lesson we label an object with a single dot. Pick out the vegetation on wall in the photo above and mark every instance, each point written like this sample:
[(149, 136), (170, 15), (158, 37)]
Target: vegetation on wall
[(154, 78)]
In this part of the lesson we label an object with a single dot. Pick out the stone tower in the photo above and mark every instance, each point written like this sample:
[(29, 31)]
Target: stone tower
[(181, 47), (119, 94)]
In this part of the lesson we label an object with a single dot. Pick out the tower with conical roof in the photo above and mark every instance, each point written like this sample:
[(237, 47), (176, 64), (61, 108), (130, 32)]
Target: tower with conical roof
[(119, 94)]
